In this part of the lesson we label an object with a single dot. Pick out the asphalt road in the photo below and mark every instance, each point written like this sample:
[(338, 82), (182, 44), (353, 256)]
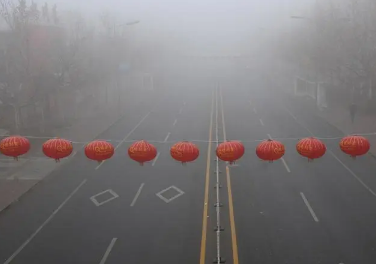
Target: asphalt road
[(58, 222), (292, 211), (289, 211)]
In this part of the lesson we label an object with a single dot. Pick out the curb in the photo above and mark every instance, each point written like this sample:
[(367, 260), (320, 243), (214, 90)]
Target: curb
[(19, 198), (370, 153), (60, 165)]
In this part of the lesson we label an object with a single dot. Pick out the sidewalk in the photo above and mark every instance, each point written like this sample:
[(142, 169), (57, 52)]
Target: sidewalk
[(21, 176), (339, 116)]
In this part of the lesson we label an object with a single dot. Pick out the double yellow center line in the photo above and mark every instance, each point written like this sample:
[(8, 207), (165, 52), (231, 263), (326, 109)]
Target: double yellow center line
[(206, 195), (234, 244)]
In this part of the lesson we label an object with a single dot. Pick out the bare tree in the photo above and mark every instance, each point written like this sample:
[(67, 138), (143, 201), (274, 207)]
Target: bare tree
[(34, 13), (341, 46), (46, 12), (46, 60), (29, 55), (55, 17)]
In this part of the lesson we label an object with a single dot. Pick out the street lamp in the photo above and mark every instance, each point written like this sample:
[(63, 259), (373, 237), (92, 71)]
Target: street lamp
[(310, 36), (126, 66), (132, 22), (300, 17), (345, 19), (151, 79), (123, 25)]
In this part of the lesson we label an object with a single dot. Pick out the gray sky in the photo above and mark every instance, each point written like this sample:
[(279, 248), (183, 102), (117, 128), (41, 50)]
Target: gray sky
[(207, 22), (208, 14)]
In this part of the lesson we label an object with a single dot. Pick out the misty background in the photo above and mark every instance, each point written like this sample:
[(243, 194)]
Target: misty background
[(204, 25), (58, 54)]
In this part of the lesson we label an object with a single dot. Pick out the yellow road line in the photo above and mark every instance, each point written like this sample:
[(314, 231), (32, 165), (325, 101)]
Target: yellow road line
[(223, 117), (206, 195), (234, 242)]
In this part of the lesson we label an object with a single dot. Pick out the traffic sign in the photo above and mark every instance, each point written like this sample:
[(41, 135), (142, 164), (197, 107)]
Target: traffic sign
[(124, 67)]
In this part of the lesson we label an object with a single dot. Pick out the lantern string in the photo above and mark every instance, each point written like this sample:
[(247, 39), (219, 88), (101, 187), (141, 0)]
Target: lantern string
[(197, 140)]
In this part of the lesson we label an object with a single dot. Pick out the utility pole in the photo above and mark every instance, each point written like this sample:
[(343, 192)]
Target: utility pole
[(128, 54)]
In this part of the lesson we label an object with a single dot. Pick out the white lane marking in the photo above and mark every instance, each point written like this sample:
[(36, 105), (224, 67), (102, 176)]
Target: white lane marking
[(95, 201), (10, 259), (181, 110), (261, 122), (286, 166), (175, 122), (309, 207), (254, 110), (343, 164), (283, 160), (250, 102), (168, 135), (291, 114), (108, 251), (155, 160), (131, 132), (137, 194), (99, 165), (126, 137), (179, 193), (353, 174)]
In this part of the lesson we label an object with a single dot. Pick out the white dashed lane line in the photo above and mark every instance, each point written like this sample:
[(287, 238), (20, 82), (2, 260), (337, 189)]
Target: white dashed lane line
[(309, 207)]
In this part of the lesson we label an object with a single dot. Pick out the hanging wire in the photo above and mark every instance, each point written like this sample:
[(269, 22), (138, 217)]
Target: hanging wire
[(197, 140)]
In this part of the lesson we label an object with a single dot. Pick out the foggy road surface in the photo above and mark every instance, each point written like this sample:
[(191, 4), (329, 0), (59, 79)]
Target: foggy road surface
[(292, 211), (289, 211)]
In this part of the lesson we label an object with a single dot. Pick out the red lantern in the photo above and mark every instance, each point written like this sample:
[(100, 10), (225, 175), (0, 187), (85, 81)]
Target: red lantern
[(230, 151), (240, 147), (57, 148), (270, 150), (355, 145), (142, 151), (311, 148), (14, 146), (184, 152), (99, 150)]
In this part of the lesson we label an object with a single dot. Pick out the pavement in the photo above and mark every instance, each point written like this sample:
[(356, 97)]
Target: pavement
[(337, 114), (145, 227), (364, 124), (18, 177), (289, 211), (292, 211)]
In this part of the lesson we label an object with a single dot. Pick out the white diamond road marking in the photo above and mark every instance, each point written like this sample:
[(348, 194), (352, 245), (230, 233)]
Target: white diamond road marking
[(114, 196), (180, 193)]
